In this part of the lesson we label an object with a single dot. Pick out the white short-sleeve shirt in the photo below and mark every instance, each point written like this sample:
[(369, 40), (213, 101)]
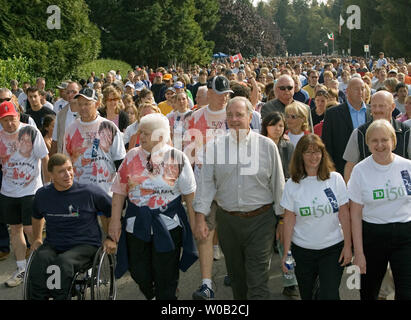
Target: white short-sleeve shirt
[(384, 190), (316, 206)]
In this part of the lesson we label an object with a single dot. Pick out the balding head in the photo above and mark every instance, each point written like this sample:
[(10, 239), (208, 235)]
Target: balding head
[(355, 92), (382, 105), (284, 89)]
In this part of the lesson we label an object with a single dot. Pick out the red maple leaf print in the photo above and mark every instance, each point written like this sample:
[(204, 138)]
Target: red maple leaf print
[(15, 174), (94, 172), (3, 151), (100, 170), (77, 140), (134, 167), (106, 173), (152, 202), (160, 201), (21, 175), (202, 125)]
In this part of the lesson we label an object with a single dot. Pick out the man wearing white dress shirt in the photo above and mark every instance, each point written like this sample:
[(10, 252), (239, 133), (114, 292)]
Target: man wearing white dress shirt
[(244, 176)]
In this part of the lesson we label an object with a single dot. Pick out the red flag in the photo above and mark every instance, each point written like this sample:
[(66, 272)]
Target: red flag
[(236, 58)]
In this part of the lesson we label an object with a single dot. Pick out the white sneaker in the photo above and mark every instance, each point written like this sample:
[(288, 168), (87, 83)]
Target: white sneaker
[(15, 279), (218, 254)]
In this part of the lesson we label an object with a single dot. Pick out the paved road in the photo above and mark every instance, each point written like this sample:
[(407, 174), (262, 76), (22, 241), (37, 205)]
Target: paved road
[(189, 281)]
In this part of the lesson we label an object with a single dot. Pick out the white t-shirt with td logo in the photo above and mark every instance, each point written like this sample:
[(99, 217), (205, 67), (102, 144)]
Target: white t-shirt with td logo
[(384, 190), (316, 206)]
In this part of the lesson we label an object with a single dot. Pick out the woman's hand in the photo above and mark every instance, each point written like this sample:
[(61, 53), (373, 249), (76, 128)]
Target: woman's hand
[(110, 246), (345, 256), (359, 260), (114, 230), (283, 267)]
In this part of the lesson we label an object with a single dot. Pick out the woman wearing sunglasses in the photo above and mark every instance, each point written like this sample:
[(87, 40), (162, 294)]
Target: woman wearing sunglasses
[(113, 108), (296, 117)]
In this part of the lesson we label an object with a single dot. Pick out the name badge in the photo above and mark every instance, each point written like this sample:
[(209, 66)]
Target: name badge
[(332, 199), (407, 181)]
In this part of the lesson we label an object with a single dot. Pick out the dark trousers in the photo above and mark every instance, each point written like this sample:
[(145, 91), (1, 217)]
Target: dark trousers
[(247, 247), (4, 233), (70, 262), (4, 238), (322, 263), (383, 243), (156, 273)]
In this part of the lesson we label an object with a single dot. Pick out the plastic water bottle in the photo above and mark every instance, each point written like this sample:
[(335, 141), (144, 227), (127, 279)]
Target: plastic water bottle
[(289, 264)]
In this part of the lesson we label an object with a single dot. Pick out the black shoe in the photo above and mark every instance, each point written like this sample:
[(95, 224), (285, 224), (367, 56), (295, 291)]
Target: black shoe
[(291, 292), (227, 281)]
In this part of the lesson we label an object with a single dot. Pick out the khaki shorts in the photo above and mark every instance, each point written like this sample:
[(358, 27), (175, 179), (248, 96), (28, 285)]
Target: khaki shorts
[(210, 219)]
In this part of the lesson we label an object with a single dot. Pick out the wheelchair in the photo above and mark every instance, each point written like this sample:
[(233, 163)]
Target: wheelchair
[(96, 281)]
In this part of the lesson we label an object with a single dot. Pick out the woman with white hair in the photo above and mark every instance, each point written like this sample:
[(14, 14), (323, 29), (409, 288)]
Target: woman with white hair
[(154, 178), (380, 207)]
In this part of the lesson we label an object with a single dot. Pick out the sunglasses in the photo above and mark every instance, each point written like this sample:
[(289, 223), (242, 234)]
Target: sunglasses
[(283, 88), (292, 116), (5, 99), (114, 99)]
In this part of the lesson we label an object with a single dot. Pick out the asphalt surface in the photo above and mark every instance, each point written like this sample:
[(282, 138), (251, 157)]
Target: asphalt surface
[(189, 282)]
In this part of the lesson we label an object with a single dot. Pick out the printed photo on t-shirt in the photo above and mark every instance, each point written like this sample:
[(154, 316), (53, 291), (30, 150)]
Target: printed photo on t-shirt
[(90, 148), (20, 154)]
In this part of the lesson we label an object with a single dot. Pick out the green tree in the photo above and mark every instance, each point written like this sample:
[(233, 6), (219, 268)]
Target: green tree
[(54, 53), (153, 32), (396, 31)]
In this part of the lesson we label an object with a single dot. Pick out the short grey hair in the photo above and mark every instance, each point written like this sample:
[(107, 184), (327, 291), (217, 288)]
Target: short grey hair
[(202, 88), (7, 91), (247, 103), (159, 122)]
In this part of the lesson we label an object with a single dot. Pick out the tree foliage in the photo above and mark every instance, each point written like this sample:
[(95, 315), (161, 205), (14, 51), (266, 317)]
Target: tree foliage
[(54, 53), (242, 29), (155, 32), (304, 25), (18, 68)]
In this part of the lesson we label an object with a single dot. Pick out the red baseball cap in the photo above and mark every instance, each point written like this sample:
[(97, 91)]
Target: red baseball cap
[(7, 109)]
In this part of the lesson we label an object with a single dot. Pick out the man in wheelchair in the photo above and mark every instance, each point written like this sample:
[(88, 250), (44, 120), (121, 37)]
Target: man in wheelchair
[(73, 235)]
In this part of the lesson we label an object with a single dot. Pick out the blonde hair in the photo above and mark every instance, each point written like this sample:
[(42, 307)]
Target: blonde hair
[(301, 111), (146, 105), (112, 90), (381, 124)]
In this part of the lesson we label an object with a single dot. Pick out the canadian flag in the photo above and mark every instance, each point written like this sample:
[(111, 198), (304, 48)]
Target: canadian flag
[(236, 58), (330, 36)]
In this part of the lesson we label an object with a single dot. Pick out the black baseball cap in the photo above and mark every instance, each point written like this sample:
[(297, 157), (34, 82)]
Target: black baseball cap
[(219, 84), (87, 93)]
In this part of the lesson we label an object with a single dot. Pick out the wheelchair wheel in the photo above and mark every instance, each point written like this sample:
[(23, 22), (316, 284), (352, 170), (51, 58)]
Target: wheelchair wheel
[(103, 286), (79, 285), (26, 285)]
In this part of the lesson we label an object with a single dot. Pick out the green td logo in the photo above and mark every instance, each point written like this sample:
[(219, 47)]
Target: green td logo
[(305, 211), (378, 194)]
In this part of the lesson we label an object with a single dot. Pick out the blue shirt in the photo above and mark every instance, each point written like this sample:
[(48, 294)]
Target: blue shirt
[(71, 215), (358, 117)]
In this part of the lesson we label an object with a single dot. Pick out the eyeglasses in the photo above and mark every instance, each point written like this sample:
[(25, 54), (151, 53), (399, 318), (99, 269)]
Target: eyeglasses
[(283, 88), (5, 99), (292, 116), (312, 153)]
